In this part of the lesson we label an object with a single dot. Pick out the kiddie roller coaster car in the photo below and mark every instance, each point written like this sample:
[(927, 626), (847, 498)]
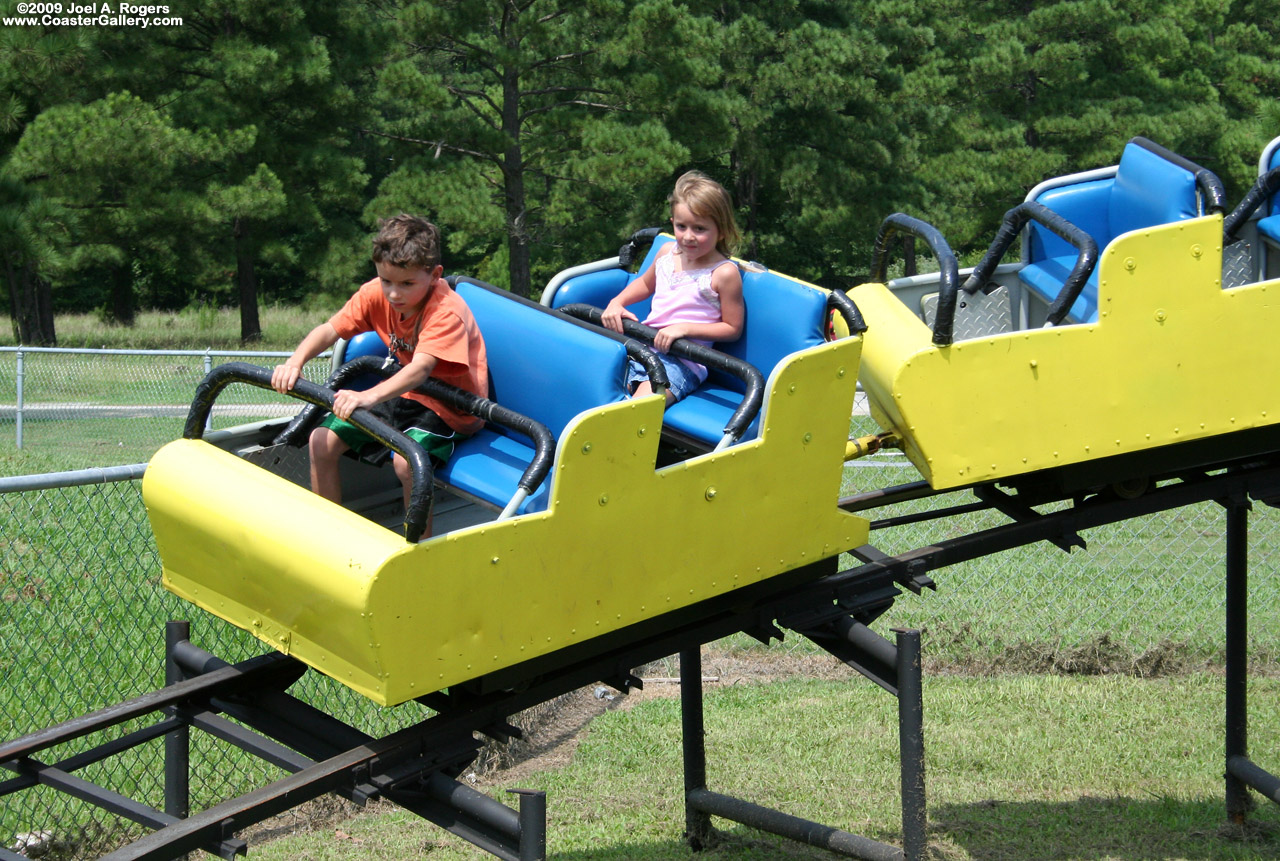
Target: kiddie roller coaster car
[(1115, 336), (571, 468)]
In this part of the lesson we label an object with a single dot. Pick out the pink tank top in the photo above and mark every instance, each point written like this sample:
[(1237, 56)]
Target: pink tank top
[(684, 297)]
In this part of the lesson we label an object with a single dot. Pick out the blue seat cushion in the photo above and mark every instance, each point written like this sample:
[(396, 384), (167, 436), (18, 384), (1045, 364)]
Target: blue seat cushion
[(704, 413), (488, 466), (1269, 227), (1047, 277), (541, 365)]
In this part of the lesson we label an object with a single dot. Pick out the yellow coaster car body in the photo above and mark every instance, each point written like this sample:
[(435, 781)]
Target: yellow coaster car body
[(1172, 358), (621, 542)]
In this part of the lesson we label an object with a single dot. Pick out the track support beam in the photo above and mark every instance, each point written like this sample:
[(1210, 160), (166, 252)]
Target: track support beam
[(701, 803), (1242, 774)]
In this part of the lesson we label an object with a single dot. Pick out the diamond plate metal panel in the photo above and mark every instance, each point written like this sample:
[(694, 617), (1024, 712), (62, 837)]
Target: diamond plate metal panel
[(1237, 265), (977, 316)]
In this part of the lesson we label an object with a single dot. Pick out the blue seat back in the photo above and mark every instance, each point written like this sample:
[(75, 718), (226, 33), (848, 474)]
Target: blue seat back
[(782, 317), (1273, 207), (1147, 189), (599, 288), (540, 364), (1087, 205), (359, 346), (1150, 190)]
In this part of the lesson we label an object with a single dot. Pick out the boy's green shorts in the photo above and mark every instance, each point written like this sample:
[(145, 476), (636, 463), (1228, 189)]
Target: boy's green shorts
[(411, 418)]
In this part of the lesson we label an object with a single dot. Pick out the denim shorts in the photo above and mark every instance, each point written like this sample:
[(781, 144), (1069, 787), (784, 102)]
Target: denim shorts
[(682, 378)]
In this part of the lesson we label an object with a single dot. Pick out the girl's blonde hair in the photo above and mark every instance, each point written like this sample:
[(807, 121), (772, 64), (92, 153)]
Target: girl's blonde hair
[(707, 198)]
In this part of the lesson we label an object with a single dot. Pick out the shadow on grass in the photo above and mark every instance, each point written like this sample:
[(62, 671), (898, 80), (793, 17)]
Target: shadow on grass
[(1124, 829)]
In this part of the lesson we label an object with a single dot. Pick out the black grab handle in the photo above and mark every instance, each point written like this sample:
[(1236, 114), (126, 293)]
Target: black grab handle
[(1262, 189), (839, 301), (544, 442), (752, 379), (420, 494), (949, 268), (1208, 183), (1014, 220), (640, 240)]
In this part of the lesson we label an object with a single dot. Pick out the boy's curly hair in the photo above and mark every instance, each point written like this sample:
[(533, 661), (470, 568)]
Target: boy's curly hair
[(407, 241)]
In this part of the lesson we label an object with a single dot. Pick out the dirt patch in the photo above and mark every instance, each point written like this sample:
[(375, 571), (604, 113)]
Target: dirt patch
[(1097, 656), (552, 735)]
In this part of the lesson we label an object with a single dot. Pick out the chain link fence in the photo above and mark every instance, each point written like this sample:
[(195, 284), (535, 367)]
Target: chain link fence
[(82, 610), (95, 408)]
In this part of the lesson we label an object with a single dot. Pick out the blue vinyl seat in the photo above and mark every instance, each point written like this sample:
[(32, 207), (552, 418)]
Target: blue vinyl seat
[(1149, 186)]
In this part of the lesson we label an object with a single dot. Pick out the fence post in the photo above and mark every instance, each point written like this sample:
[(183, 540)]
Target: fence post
[(18, 414), (208, 367)]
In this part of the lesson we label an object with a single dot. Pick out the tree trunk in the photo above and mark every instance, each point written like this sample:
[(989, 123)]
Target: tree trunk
[(518, 268), (518, 256), (44, 308), (32, 303), (123, 308), (247, 284), (748, 186)]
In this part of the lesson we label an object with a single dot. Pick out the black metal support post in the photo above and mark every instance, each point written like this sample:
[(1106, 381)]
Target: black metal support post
[(915, 838), (697, 824), (1237, 606), (533, 824), (793, 827), (900, 674), (177, 743)]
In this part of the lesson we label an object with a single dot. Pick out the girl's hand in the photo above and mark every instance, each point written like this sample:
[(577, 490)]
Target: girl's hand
[(667, 335), (346, 401), (614, 314)]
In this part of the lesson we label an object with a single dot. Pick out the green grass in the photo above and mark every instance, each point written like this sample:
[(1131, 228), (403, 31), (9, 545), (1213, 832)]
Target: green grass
[(58, 437), (1144, 592), (196, 328), (1018, 767)]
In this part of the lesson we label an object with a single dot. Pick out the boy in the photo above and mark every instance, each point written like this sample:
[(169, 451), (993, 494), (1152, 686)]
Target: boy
[(428, 329)]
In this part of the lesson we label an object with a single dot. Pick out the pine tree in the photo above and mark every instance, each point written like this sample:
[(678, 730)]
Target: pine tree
[(35, 70), (286, 78), (526, 121)]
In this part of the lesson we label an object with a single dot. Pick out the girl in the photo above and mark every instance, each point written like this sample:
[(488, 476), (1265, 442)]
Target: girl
[(696, 289)]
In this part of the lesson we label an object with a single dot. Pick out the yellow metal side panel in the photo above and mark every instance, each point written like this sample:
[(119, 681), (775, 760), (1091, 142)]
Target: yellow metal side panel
[(1172, 358), (894, 334), (271, 557), (621, 542)]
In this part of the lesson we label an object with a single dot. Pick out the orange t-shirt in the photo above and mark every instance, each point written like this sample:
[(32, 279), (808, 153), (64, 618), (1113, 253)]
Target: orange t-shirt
[(444, 328)]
